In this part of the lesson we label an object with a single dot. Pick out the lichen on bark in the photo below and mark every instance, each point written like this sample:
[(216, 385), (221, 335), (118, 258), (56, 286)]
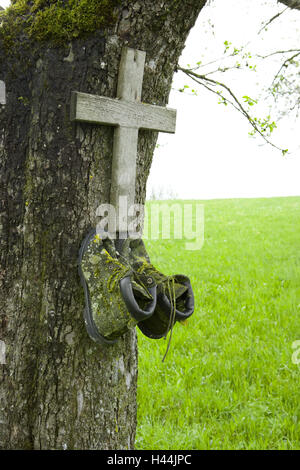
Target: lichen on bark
[(58, 389), (57, 21)]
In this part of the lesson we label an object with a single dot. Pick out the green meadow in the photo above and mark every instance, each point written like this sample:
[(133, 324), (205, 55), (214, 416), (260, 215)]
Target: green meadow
[(229, 381)]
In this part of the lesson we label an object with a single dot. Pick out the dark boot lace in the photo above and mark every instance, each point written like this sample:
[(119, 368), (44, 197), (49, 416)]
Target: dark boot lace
[(142, 266), (168, 283), (119, 272)]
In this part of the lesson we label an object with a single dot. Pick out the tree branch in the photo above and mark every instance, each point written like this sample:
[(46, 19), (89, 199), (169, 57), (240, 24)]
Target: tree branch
[(272, 19), (284, 64), (205, 82), (276, 53)]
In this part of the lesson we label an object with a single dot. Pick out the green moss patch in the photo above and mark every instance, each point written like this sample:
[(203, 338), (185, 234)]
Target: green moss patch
[(57, 21)]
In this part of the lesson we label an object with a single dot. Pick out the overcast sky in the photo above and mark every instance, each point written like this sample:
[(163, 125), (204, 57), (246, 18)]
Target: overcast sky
[(211, 154)]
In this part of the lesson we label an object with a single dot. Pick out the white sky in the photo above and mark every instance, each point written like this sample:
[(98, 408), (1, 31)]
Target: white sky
[(211, 154)]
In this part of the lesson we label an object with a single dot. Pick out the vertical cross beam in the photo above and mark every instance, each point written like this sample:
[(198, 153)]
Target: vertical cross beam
[(2, 93), (126, 138), (128, 115)]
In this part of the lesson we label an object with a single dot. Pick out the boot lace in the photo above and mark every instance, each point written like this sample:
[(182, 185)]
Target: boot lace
[(169, 287)]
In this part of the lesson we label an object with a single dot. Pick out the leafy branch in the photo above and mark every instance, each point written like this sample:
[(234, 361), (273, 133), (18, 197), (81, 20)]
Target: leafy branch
[(263, 28), (260, 126), (282, 88), (286, 62)]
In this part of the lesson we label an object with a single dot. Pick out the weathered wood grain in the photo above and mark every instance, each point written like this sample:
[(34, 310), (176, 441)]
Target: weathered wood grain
[(123, 174), (108, 111), (128, 115), (131, 72), (2, 93)]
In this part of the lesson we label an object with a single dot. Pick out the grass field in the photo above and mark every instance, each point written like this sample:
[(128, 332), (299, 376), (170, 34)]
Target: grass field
[(229, 381)]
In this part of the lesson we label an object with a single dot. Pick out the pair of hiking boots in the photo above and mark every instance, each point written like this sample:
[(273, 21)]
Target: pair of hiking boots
[(123, 290)]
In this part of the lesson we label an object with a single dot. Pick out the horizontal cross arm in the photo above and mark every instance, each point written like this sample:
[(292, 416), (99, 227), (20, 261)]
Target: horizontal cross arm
[(102, 110)]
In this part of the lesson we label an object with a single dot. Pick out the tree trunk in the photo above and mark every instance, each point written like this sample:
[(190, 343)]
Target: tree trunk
[(295, 4), (58, 389)]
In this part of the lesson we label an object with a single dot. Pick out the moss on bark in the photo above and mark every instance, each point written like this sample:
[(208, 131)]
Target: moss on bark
[(57, 21), (58, 389)]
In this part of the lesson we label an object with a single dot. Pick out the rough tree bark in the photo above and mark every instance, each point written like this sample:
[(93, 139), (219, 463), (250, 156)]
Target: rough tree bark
[(58, 389), (295, 4)]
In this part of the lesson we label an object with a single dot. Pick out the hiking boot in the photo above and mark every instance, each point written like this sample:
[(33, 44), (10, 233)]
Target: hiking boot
[(115, 300), (175, 298)]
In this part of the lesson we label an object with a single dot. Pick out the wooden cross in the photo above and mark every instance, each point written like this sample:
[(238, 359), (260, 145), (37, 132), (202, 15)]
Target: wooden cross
[(128, 114), (2, 93)]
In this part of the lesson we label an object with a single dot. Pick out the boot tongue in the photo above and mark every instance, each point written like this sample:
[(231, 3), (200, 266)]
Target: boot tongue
[(142, 282), (138, 249), (141, 291), (180, 289)]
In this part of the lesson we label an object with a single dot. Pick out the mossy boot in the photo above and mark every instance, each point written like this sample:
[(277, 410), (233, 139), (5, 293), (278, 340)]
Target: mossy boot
[(115, 299), (175, 298)]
